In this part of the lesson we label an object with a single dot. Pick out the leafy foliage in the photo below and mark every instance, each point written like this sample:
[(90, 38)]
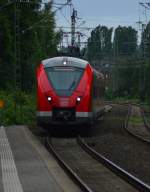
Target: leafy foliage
[(99, 44), (145, 42), (34, 39), (19, 108), (26, 37), (125, 41)]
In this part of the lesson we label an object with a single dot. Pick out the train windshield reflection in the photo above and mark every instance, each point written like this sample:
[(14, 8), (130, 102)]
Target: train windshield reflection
[(64, 80)]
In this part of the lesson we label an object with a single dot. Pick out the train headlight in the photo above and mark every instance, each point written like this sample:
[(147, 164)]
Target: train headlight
[(64, 63), (49, 98), (78, 99)]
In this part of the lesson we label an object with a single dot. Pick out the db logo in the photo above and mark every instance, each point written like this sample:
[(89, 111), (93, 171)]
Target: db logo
[(64, 102)]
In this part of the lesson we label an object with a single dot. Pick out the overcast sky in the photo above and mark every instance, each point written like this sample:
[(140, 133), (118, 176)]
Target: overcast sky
[(110, 13), (106, 12)]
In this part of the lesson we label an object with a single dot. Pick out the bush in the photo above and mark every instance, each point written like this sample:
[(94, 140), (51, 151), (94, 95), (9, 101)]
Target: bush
[(19, 108)]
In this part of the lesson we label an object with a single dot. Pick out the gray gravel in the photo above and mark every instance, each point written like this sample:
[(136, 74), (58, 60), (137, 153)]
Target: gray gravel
[(94, 174), (111, 139)]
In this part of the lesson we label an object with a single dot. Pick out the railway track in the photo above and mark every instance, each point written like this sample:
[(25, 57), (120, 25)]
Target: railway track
[(146, 115), (143, 132), (138, 130), (111, 139), (90, 170), (82, 182)]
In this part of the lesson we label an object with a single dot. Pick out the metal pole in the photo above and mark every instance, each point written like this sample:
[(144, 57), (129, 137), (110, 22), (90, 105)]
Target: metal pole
[(15, 50), (73, 21)]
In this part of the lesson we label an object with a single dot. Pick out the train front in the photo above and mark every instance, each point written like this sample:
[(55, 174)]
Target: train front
[(64, 87)]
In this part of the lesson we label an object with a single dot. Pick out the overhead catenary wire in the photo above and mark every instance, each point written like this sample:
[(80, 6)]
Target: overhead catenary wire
[(6, 5), (65, 17), (45, 18), (61, 6)]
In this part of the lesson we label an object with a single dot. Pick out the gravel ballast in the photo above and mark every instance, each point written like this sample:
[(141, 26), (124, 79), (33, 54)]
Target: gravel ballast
[(110, 138)]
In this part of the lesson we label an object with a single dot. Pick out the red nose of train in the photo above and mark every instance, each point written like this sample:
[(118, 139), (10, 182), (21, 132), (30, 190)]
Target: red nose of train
[(73, 101), (64, 91)]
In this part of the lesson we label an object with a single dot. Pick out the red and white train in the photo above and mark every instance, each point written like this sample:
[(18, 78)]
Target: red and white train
[(69, 90)]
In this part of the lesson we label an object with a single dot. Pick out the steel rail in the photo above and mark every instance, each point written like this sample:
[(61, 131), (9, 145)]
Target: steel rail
[(147, 125), (134, 181), (127, 116), (127, 122), (134, 104), (66, 168)]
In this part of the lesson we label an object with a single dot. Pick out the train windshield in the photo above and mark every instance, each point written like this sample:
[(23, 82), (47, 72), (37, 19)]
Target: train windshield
[(64, 79)]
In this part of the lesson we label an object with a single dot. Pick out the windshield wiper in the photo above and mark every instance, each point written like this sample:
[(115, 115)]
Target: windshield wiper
[(72, 84)]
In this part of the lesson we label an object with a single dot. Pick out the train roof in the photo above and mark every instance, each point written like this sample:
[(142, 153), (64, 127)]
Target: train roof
[(61, 61)]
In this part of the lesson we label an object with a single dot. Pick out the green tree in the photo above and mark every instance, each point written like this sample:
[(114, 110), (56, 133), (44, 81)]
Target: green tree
[(6, 50), (125, 65), (99, 44), (145, 41), (145, 65), (125, 41), (35, 39)]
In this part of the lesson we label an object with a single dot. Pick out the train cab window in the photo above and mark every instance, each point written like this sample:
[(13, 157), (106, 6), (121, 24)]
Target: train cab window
[(64, 79)]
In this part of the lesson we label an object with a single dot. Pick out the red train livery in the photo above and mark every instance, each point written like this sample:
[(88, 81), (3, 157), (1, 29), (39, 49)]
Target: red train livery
[(69, 90)]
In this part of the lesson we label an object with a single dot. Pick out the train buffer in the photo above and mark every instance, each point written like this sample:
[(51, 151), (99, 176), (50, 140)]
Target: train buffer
[(27, 166), (107, 108)]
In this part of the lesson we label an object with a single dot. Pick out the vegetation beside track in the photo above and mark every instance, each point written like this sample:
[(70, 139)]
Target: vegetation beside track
[(110, 96), (19, 108), (135, 120)]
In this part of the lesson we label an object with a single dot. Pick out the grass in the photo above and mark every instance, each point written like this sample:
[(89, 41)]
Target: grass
[(136, 120), (148, 117)]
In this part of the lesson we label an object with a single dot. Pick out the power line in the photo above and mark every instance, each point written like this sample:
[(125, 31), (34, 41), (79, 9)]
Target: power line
[(6, 5), (145, 5), (45, 18), (84, 28), (62, 5), (17, 67), (64, 17)]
